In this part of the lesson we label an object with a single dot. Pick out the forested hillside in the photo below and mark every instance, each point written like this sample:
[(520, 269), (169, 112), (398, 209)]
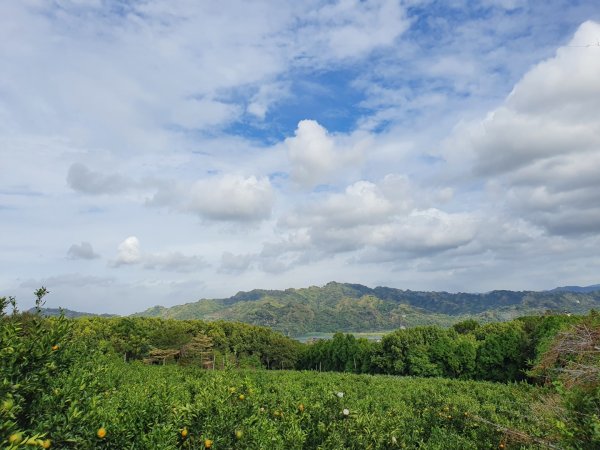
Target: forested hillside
[(354, 307)]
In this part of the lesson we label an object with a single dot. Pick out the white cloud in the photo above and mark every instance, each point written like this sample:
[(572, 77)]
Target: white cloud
[(541, 148), (361, 203), (232, 197), (426, 231), (349, 28), (266, 97), (316, 157), (224, 197), (123, 77), (383, 220), (128, 252)]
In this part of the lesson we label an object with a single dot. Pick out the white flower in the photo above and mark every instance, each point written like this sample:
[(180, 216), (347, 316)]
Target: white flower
[(394, 440), (346, 412), (340, 394)]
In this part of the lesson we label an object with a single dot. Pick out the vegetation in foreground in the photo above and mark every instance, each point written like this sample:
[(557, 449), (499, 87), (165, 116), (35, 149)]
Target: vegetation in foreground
[(66, 388), (142, 406)]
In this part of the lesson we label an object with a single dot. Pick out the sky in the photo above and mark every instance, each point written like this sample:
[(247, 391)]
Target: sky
[(159, 152)]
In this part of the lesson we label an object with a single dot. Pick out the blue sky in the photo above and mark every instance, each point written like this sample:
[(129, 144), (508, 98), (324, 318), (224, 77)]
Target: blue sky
[(157, 152)]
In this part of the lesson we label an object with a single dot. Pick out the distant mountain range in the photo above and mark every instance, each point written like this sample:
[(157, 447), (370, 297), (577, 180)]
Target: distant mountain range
[(354, 307), (581, 289), (357, 308), (55, 312)]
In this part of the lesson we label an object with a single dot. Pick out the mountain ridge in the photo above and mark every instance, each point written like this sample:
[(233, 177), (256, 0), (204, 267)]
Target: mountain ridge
[(578, 289), (69, 313), (355, 307)]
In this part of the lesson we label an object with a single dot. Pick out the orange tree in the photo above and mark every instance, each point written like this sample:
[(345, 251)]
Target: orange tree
[(33, 350)]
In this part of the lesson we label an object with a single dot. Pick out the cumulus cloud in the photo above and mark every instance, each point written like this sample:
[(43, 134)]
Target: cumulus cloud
[(129, 253), (361, 203), (232, 197), (82, 251), (420, 232), (541, 149), (315, 156), (381, 218), (425, 231), (224, 197)]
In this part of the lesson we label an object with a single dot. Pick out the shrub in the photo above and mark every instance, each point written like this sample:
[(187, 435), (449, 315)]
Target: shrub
[(33, 351)]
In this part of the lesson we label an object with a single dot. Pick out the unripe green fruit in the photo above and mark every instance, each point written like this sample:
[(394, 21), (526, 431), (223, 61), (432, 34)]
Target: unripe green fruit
[(8, 404), (15, 438)]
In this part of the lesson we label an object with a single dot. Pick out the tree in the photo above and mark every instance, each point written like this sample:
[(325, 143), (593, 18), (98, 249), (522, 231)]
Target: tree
[(466, 326), (198, 350), (502, 353)]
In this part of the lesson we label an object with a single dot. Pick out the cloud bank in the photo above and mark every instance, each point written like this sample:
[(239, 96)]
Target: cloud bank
[(276, 145)]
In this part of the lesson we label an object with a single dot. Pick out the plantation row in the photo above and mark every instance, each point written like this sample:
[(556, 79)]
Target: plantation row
[(82, 384), (167, 407)]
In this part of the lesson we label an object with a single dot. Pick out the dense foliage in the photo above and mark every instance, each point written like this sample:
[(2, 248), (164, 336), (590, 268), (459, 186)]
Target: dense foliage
[(494, 352), (112, 404), (353, 307), (32, 354), (226, 342), (571, 362)]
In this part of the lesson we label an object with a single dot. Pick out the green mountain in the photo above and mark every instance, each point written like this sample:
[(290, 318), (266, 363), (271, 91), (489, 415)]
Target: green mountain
[(55, 312), (355, 308), (585, 289)]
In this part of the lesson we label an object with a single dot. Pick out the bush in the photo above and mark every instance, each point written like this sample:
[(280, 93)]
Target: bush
[(572, 364), (33, 352)]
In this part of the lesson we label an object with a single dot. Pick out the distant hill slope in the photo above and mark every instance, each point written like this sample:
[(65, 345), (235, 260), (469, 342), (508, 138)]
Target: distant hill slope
[(55, 312), (578, 289), (354, 307)]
